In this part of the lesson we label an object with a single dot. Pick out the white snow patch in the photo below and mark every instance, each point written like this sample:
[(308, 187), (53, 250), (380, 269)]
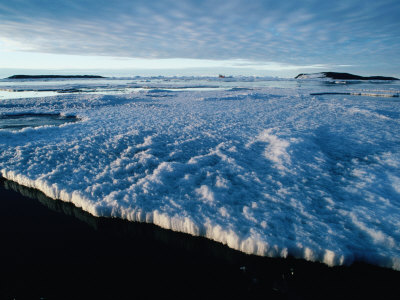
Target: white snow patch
[(395, 183), (276, 151), (205, 193)]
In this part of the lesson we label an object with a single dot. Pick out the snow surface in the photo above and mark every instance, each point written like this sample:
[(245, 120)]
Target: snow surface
[(265, 170), (311, 76)]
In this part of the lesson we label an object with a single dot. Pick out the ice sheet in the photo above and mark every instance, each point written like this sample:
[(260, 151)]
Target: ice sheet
[(267, 171)]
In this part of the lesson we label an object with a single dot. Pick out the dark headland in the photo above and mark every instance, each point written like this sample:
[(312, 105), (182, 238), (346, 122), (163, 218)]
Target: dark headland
[(342, 76), (52, 76)]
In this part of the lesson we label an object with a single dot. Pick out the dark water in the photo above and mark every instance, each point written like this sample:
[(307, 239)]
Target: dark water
[(19, 121), (53, 250)]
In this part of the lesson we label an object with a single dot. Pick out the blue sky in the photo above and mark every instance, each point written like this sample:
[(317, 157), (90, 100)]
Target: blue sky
[(277, 38)]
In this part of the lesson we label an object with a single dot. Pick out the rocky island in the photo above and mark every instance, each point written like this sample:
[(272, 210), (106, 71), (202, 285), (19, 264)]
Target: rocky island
[(54, 76), (341, 76)]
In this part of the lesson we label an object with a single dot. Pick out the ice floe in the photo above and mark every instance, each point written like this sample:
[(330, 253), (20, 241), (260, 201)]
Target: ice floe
[(271, 171)]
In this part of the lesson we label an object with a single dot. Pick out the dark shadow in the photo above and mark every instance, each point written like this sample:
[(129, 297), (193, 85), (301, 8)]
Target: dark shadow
[(53, 250)]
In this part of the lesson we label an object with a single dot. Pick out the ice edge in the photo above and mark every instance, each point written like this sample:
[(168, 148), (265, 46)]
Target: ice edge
[(249, 246)]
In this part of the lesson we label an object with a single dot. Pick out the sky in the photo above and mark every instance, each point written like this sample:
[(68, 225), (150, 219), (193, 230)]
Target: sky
[(194, 37)]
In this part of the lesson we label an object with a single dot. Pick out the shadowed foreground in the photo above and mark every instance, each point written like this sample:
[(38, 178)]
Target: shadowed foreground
[(53, 250)]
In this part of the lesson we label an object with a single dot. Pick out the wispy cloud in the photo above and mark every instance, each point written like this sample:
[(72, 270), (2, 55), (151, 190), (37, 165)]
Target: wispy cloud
[(308, 33)]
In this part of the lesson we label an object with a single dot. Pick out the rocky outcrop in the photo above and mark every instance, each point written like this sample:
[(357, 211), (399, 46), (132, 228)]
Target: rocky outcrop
[(52, 76), (342, 76)]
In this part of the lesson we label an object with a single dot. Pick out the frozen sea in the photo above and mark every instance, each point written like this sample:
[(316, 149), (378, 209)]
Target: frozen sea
[(271, 167)]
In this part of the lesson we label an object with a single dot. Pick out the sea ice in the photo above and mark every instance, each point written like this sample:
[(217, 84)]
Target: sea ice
[(265, 170)]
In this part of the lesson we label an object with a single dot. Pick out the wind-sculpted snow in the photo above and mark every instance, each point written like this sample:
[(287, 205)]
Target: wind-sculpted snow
[(267, 171)]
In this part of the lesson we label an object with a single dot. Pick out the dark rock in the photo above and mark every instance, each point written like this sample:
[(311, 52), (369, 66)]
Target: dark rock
[(343, 76), (52, 76)]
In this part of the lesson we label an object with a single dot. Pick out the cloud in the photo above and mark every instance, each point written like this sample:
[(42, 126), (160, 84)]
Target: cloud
[(293, 32)]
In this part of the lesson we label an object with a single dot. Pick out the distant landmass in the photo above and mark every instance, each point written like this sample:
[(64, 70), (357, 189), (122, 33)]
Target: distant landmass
[(52, 76), (342, 76)]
